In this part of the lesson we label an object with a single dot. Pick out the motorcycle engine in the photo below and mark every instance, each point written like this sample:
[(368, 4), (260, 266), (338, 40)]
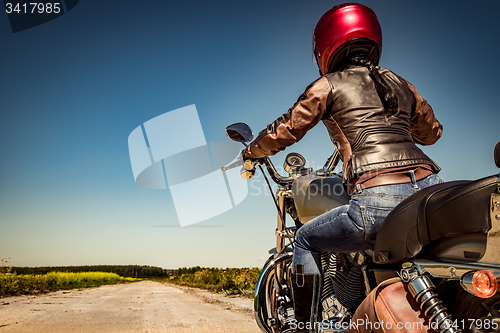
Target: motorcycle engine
[(343, 284)]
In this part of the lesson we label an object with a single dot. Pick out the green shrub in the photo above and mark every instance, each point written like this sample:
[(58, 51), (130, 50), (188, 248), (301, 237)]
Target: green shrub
[(4, 266), (229, 280)]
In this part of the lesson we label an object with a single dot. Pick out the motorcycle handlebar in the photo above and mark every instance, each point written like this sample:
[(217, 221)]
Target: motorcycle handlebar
[(250, 164), (331, 164), (274, 173)]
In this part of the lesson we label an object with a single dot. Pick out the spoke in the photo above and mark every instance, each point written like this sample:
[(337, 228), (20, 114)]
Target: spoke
[(494, 311), (491, 310), (484, 306)]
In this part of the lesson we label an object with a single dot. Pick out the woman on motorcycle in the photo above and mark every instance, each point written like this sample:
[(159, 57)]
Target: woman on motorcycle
[(374, 118)]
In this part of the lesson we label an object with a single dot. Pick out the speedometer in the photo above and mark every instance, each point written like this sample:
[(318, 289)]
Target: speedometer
[(294, 161)]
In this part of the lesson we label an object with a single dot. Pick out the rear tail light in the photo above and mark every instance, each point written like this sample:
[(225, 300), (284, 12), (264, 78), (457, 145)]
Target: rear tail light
[(482, 283)]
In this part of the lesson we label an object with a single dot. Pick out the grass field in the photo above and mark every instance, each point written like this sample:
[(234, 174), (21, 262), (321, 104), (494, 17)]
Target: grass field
[(33, 280), (11, 285)]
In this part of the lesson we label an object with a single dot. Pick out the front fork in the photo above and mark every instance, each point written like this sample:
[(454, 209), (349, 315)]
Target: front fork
[(282, 233), (282, 230)]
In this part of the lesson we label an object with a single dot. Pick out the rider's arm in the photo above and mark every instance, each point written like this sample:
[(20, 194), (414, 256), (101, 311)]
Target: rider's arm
[(293, 125), (424, 126)]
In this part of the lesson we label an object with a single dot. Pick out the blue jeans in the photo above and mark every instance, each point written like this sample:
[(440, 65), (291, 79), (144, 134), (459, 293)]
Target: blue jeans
[(352, 227)]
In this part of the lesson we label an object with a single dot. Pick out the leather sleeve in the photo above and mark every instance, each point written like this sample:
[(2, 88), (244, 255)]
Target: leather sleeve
[(424, 127), (293, 125)]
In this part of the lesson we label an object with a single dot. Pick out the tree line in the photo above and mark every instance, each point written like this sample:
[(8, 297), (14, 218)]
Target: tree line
[(134, 271)]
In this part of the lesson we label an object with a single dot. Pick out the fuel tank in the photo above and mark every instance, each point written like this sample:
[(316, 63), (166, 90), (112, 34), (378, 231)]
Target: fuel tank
[(315, 195)]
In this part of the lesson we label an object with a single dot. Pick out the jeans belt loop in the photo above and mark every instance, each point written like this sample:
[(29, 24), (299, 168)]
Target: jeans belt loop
[(357, 189), (413, 178)]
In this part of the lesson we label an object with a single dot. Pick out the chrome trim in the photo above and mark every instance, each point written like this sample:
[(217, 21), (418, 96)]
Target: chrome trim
[(281, 224), (323, 173), (247, 174), (368, 288), (290, 164), (296, 173), (466, 280), (448, 270), (498, 184), (492, 254), (423, 291), (285, 193), (274, 174), (249, 164), (275, 254), (418, 286), (333, 310), (287, 233), (261, 322), (235, 164)]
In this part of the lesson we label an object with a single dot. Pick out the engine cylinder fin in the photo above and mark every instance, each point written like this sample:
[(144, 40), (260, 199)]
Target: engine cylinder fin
[(327, 290), (348, 284)]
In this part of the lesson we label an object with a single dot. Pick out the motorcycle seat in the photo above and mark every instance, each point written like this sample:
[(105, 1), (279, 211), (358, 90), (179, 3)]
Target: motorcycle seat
[(448, 220)]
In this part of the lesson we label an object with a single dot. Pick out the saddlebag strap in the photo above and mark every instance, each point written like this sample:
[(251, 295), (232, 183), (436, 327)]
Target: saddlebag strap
[(390, 178), (367, 311), (389, 308)]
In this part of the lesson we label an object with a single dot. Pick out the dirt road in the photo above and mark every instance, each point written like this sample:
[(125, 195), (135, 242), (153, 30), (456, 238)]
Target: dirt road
[(136, 307)]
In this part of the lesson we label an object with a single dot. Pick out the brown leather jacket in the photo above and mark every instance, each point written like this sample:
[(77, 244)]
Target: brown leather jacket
[(367, 136)]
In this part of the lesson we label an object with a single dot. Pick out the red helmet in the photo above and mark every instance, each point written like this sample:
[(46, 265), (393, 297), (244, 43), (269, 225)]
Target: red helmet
[(345, 29)]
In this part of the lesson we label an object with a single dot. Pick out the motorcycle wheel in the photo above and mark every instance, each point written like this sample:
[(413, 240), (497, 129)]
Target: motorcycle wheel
[(477, 315), (275, 287)]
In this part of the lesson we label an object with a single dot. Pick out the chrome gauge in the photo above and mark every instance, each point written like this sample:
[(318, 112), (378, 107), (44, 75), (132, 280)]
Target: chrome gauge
[(293, 162)]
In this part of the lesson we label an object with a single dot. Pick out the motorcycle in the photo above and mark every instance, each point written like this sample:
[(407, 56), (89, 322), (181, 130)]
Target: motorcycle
[(443, 243)]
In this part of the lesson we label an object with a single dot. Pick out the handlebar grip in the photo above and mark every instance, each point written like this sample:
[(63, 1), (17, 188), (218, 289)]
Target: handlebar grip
[(249, 164)]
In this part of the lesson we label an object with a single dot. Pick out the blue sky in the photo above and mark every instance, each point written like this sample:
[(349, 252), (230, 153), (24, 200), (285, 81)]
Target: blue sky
[(74, 88)]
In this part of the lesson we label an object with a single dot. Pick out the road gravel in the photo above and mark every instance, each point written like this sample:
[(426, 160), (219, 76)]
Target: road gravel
[(144, 306)]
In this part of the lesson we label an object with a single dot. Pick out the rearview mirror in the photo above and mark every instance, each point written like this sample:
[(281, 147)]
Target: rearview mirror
[(239, 132)]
